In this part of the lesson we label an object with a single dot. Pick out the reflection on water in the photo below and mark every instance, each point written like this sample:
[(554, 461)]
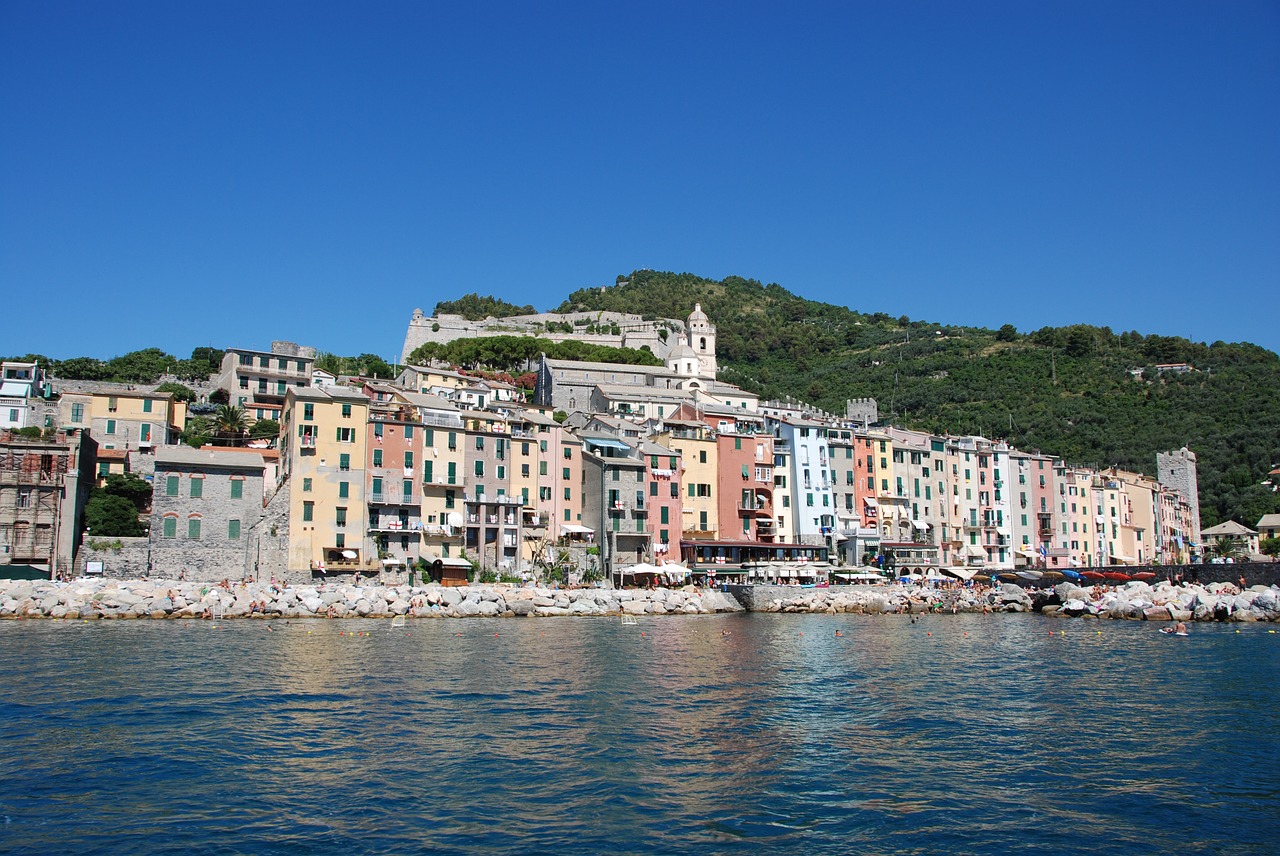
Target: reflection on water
[(957, 734)]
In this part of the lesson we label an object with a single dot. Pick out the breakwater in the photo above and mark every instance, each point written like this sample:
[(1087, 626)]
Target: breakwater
[(160, 599), (1163, 601)]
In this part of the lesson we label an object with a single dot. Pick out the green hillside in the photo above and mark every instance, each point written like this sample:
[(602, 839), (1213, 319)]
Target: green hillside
[(1066, 391)]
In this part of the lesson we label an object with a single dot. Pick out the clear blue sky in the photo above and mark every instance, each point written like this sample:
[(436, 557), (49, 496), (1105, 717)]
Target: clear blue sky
[(177, 174)]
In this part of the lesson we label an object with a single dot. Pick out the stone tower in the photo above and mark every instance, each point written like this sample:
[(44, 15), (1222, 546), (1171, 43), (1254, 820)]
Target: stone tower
[(702, 340), (1178, 471)]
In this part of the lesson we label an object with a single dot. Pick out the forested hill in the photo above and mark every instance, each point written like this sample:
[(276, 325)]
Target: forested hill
[(1064, 390)]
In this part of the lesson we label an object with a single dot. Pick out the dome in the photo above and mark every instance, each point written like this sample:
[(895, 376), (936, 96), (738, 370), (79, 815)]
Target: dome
[(682, 351), (697, 314)]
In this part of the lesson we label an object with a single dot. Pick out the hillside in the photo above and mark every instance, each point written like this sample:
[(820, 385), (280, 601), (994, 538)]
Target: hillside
[(1068, 391)]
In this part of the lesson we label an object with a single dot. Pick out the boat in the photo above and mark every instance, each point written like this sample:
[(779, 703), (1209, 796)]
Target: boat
[(1096, 576), (1116, 576), (1144, 575)]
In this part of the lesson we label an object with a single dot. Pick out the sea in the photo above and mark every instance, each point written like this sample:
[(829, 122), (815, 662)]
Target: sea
[(690, 734)]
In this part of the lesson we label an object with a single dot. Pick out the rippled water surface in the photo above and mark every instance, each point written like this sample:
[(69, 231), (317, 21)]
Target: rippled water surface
[(964, 734)]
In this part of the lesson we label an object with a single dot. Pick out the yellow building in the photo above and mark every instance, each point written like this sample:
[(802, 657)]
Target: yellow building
[(123, 418), (696, 443), (323, 445)]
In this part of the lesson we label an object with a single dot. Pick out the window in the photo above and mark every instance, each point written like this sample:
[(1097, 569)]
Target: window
[(480, 468), (449, 498), (346, 435), (566, 493), (675, 490), (702, 456), (308, 412), (664, 514), (77, 413), (171, 486), (340, 516), (408, 432), (427, 468), (144, 433), (568, 452), (502, 473), (111, 423), (306, 485), (193, 528), (237, 488), (171, 527), (653, 488), (346, 411), (112, 404), (344, 490), (453, 440), (542, 468), (408, 460), (479, 443), (377, 429), (406, 487), (737, 444), (524, 471), (377, 457), (453, 472), (565, 473), (377, 487), (197, 487), (344, 462), (308, 511), (233, 530)]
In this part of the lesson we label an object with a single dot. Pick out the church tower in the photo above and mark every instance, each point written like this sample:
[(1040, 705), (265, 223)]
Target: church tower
[(702, 341)]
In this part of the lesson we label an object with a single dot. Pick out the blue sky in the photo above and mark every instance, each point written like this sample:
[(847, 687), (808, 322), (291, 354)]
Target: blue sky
[(228, 173)]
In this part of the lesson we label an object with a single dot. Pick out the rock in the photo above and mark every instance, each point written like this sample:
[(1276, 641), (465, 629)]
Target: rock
[(1156, 613), (490, 608), (467, 608), (521, 607), (635, 607)]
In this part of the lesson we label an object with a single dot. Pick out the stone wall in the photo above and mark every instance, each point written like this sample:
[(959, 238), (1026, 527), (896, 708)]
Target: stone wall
[(129, 562)]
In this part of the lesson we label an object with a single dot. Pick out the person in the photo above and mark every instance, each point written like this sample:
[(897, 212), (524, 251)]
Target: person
[(1180, 627)]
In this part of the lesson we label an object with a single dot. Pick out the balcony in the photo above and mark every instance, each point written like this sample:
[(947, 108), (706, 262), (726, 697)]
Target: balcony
[(617, 508), (307, 441), (640, 508), (393, 499)]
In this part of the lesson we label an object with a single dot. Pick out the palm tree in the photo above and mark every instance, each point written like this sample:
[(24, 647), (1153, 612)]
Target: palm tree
[(230, 424)]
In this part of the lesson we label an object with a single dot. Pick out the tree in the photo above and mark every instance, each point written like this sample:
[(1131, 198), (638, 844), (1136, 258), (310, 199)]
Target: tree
[(198, 431), (179, 391), (130, 487), (327, 362), (1007, 333), (110, 516), (230, 424), (264, 428), (1270, 547)]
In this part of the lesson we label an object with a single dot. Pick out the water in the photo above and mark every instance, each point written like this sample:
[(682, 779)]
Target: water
[(692, 734)]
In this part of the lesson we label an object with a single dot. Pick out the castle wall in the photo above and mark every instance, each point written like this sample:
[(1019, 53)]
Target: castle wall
[(634, 331)]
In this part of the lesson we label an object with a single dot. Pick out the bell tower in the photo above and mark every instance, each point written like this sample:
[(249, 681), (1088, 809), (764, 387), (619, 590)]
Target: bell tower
[(702, 340)]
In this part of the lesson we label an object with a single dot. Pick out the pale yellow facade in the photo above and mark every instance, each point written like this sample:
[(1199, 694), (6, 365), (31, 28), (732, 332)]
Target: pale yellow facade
[(698, 455), (323, 449)]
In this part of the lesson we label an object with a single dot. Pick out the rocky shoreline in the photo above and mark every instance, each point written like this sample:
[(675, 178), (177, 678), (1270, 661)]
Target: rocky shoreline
[(88, 599), (1135, 601)]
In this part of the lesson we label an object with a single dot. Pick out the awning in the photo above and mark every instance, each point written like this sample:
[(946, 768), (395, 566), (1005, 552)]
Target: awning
[(973, 551), (871, 502), (920, 524), (449, 561), (575, 529), (608, 444), (14, 390), (961, 573)]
